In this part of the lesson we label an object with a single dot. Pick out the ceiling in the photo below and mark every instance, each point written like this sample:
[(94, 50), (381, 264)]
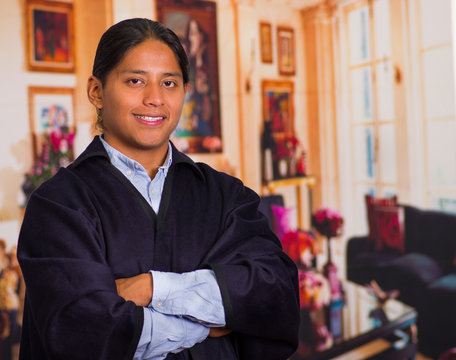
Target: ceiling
[(295, 4)]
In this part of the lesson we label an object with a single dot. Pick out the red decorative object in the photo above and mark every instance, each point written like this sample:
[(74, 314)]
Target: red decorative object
[(388, 228), (301, 167), (371, 203)]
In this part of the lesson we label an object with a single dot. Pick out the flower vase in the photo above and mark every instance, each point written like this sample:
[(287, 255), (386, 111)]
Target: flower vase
[(314, 335), (292, 167), (283, 168), (27, 188), (330, 272)]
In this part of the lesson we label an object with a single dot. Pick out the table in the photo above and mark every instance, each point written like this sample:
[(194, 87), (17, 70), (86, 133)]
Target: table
[(362, 337)]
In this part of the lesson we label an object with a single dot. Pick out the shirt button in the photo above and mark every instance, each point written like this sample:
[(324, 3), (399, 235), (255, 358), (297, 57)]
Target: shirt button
[(159, 304), (152, 192), (136, 166), (128, 172)]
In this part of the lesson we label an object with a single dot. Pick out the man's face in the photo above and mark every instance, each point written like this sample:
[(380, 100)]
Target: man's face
[(142, 100)]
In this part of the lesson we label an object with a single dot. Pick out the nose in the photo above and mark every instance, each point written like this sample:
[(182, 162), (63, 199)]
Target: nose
[(153, 95)]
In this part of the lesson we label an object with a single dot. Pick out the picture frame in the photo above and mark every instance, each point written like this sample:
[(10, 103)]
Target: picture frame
[(50, 36), (195, 23), (49, 107), (266, 42), (286, 50), (278, 106)]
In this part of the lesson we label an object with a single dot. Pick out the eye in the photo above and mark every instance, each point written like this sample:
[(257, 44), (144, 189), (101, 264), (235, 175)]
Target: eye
[(169, 83), (134, 81)]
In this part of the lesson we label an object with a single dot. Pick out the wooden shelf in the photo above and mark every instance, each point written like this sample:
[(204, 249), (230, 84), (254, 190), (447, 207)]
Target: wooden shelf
[(309, 181)]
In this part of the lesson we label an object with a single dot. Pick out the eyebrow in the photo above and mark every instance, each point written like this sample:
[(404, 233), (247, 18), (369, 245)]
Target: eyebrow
[(142, 72)]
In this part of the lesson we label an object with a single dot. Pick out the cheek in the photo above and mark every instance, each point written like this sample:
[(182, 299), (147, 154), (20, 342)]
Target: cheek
[(179, 103), (178, 110), (117, 103)]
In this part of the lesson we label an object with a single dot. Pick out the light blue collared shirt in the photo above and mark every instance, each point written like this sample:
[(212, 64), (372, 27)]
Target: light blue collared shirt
[(183, 306)]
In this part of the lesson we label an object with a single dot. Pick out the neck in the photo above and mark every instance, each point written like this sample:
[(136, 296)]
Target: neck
[(150, 159)]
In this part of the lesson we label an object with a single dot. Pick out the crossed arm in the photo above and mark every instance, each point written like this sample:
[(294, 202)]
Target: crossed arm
[(140, 289)]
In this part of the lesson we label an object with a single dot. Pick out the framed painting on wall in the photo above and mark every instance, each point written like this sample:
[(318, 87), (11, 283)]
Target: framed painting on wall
[(278, 127), (50, 109), (266, 42), (199, 128), (278, 106), (50, 36), (286, 50)]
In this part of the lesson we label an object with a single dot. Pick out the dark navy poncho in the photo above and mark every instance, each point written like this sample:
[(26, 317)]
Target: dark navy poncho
[(88, 225)]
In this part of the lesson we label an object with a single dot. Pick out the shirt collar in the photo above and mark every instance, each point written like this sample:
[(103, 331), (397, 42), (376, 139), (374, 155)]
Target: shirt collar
[(122, 161), (96, 149)]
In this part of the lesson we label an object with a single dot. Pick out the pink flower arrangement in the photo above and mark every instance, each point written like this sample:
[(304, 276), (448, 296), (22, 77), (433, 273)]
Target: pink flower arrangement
[(56, 151), (314, 290), (300, 246), (62, 142), (327, 222), (286, 148)]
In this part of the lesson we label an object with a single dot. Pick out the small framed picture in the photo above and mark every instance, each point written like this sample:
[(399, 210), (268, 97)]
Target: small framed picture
[(50, 108), (286, 50), (266, 42), (50, 36)]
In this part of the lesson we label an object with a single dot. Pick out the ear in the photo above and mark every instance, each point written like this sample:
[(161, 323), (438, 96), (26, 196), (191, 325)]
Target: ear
[(95, 92), (186, 88)]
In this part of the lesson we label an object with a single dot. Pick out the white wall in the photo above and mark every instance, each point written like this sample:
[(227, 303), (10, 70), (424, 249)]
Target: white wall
[(15, 141)]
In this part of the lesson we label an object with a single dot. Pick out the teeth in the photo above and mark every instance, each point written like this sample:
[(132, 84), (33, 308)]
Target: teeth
[(149, 118)]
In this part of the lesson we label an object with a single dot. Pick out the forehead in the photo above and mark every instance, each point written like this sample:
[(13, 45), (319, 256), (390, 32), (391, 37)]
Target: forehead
[(150, 54)]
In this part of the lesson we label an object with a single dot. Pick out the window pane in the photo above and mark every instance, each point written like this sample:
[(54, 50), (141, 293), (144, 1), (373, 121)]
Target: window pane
[(438, 82), (382, 29), (387, 150), (441, 152), (385, 102), (436, 22), (443, 202), (364, 153), (361, 82), (358, 27), (360, 207), (388, 192)]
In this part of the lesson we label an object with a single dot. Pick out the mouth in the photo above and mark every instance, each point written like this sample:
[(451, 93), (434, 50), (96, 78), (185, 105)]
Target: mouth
[(150, 120)]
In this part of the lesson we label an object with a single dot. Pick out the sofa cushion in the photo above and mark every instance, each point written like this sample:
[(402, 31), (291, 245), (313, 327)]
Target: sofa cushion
[(411, 274), (388, 228), (282, 219), (371, 203), (432, 233), (266, 202)]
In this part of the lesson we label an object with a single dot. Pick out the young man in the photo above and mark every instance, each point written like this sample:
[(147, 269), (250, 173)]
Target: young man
[(134, 250)]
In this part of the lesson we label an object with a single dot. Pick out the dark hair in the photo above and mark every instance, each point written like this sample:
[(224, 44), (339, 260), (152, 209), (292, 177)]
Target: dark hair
[(125, 35)]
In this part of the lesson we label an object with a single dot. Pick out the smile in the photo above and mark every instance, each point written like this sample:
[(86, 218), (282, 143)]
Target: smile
[(150, 118)]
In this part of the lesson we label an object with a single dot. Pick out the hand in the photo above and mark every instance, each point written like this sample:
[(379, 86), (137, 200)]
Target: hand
[(218, 332), (138, 289)]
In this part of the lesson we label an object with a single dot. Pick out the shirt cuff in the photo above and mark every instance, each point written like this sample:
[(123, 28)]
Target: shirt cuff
[(163, 334), (194, 295)]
